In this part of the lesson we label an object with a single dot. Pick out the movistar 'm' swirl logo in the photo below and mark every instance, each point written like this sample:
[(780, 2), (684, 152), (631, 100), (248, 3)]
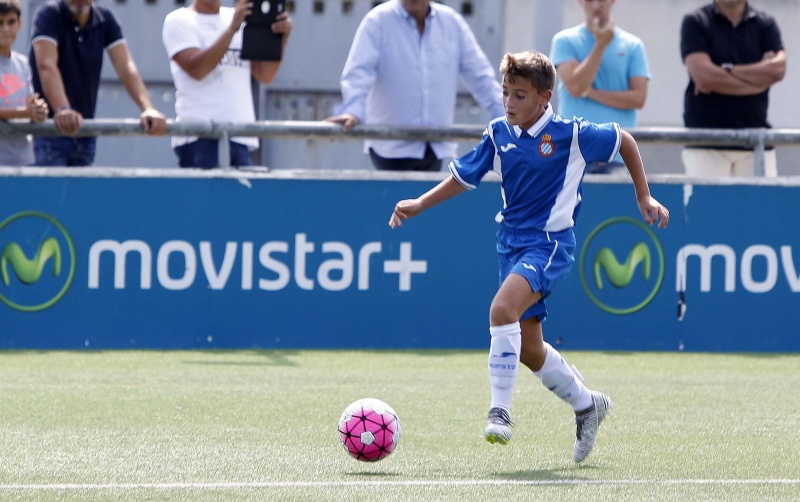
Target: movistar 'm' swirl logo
[(620, 274), (634, 282), (27, 270), (31, 244)]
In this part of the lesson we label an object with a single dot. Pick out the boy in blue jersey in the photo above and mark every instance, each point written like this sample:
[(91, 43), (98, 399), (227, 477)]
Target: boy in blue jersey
[(541, 159)]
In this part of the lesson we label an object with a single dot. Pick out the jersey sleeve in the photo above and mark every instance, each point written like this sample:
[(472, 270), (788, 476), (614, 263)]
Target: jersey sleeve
[(599, 142), (470, 168)]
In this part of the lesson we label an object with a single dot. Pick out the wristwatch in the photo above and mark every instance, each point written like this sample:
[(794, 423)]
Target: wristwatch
[(728, 67)]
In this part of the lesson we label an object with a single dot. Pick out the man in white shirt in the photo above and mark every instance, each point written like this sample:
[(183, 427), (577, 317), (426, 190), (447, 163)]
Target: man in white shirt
[(212, 81), (403, 69)]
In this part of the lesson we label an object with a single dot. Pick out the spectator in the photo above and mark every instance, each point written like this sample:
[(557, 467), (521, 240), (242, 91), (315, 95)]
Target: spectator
[(734, 54), (67, 42), (204, 42), (403, 69), (603, 73), (17, 99)]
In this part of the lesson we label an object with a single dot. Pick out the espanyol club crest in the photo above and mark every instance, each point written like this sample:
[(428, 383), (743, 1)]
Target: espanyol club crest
[(546, 147)]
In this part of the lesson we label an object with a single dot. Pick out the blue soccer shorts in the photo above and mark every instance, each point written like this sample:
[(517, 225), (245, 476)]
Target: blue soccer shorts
[(543, 258)]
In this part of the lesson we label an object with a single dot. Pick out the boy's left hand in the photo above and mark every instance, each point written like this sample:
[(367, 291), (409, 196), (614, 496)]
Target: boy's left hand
[(653, 211)]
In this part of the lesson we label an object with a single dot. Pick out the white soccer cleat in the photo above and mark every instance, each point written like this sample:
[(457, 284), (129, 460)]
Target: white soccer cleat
[(498, 427), (587, 422)]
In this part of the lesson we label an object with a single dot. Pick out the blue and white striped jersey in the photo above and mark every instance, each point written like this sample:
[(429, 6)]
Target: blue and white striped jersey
[(541, 169)]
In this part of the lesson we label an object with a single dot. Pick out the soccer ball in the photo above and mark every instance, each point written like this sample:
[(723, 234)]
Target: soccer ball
[(369, 430)]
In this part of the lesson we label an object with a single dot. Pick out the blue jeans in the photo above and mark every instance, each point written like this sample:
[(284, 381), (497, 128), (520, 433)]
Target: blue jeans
[(204, 153), (62, 151)]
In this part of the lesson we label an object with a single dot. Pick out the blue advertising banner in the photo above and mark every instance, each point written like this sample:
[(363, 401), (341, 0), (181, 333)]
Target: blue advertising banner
[(271, 261)]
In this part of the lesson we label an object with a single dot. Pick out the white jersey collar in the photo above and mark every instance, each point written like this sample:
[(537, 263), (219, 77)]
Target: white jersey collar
[(540, 124)]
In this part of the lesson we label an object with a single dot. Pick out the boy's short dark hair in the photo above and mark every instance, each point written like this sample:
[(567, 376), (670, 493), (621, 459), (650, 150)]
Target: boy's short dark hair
[(9, 6), (532, 66)]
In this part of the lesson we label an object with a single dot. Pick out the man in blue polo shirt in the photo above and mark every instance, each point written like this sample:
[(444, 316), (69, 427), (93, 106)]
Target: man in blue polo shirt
[(68, 38), (603, 71)]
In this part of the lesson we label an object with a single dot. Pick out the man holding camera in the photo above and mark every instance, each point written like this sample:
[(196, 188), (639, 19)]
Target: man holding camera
[(204, 44)]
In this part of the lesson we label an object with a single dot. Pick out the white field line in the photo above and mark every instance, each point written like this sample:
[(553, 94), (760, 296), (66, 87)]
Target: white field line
[(377, 484)]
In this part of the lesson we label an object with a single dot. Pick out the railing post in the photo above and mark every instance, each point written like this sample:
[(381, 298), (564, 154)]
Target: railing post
[(224, 151), (758, 153)]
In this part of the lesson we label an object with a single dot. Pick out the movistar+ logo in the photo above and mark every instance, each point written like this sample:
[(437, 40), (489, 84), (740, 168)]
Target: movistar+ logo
[(31, 245), (621, 274), (27, 270), (633, 279)]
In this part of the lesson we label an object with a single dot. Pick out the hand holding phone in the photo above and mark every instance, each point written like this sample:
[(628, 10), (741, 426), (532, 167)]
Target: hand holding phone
[(265, 12)]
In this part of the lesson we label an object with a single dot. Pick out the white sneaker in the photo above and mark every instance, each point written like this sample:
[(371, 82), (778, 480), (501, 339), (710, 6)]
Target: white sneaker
[(498, 427), (587, 422)]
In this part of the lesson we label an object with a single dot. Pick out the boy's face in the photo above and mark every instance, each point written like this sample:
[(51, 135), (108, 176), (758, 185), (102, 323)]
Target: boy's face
[(9, 27), (524, 104)]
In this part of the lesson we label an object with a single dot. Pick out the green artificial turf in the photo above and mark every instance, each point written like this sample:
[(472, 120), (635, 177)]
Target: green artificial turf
[(262, 425)]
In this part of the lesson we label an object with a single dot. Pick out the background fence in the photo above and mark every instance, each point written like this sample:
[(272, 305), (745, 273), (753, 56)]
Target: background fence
[(752, 138)]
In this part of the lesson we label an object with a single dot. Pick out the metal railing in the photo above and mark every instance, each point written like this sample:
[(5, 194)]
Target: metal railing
[(757, 139)]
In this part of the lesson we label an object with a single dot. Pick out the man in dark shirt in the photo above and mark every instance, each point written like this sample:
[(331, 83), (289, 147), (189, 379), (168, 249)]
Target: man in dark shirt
[(734, 54), (67, 43)]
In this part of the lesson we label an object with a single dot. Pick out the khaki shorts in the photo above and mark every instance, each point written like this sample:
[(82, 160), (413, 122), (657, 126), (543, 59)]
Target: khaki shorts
[(726, 163)]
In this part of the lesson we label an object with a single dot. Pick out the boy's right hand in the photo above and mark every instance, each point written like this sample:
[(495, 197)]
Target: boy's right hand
[(403, 210)]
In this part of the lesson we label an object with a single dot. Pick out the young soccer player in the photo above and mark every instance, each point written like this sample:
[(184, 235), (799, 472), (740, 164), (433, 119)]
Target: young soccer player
[(17, 100), (541, 159)]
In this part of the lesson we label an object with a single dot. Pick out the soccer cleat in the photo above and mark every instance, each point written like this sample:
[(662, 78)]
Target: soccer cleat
[(587, 422), (498, 427)]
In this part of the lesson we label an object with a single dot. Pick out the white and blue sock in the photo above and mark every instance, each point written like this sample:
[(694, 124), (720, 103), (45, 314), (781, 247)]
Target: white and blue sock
[(562, 381), (504, 363)]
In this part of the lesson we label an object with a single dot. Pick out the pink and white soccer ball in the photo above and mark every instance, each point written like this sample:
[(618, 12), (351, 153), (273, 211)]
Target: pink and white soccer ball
[(369, 430)]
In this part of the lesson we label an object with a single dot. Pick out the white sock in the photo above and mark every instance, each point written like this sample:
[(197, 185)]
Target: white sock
[(504, 363), (559, 378)]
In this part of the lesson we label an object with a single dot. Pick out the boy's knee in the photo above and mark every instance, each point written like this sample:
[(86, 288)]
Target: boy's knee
[(501, 313)]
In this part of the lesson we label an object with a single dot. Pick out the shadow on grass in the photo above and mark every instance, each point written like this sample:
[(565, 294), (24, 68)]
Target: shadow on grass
[(281, 358), (372, 474), (558, 475)]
